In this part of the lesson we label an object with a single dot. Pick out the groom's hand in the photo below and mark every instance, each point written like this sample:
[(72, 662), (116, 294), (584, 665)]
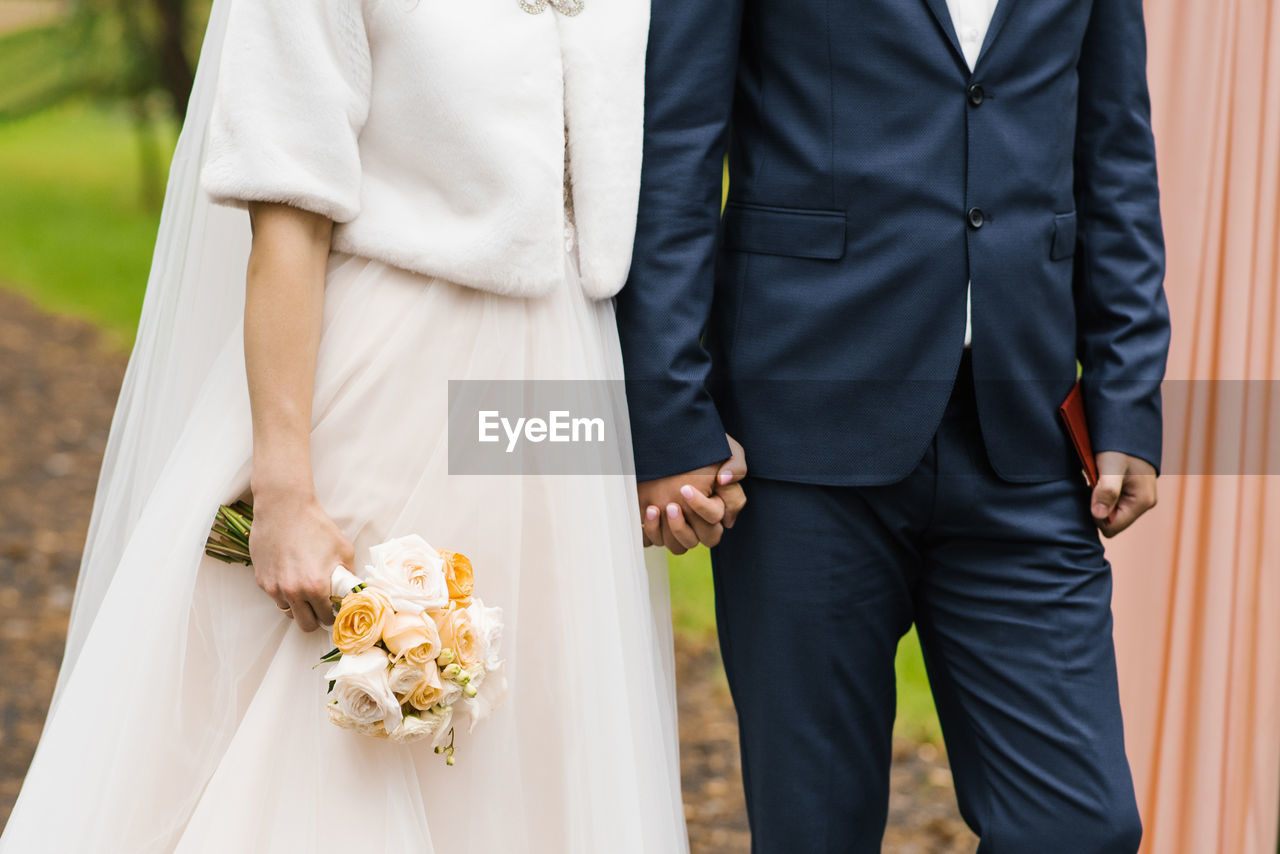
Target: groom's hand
[(667, 515), (729, 483), (712, 511), (1125, 490)]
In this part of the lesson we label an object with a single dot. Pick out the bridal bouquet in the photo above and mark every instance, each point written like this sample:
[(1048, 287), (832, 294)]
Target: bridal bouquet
[(416, 653)]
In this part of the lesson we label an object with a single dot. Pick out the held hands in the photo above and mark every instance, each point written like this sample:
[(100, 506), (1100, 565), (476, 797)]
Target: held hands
[(1125, 490), (683, 510), (295, 547)]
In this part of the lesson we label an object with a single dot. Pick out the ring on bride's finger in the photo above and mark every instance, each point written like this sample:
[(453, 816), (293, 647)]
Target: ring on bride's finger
[(284, 609)]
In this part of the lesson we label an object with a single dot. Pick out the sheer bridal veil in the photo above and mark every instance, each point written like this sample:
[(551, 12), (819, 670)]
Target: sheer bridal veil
[(193, 305), (170, 721)]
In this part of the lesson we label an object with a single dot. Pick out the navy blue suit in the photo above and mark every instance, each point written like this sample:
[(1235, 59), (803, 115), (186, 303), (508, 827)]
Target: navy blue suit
[(861, 158), (820, 321)]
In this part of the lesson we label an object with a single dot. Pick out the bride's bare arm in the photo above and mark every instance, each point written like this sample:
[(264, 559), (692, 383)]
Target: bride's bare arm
[(294, 544)]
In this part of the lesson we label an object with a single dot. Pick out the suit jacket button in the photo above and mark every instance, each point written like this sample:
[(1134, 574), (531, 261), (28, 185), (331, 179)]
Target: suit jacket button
[(976, 218), (977, 94)]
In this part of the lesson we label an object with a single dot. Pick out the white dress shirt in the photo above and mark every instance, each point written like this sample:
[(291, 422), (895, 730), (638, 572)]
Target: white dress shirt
[(971, 19)]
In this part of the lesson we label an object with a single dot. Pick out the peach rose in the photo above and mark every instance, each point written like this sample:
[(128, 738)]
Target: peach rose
[(458, 575), (433, 691), (360, 620), (413, 637), (459, 634)]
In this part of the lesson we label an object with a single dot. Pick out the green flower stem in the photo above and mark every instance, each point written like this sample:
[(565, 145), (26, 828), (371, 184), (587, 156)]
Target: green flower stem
[(447, 749), (229, 537)]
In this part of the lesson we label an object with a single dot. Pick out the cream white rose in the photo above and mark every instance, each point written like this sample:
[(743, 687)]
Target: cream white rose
[(450, 693), (342, 582), (491, 691), (410, 572), (336, 716), (417, 728), (444, 720), (363, 691), (405, 677), (488, 627)]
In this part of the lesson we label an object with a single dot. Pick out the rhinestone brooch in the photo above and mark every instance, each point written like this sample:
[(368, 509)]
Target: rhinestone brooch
[(568, 8)]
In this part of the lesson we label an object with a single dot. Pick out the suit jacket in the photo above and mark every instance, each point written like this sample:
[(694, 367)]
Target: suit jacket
[(872, 175), (433, 133)]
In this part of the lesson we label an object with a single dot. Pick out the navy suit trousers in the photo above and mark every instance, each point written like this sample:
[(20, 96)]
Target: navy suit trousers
[(1010, 592)]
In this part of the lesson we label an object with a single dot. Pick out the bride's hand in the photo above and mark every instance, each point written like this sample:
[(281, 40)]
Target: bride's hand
[(295, 547), (293, 543)]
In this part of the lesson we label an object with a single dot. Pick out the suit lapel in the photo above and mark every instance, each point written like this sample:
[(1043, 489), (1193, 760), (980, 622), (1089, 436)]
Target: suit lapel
[(943, 14), (998, 18)]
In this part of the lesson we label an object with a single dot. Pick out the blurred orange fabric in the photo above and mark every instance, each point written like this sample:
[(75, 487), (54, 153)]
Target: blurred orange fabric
[(1197, 598)]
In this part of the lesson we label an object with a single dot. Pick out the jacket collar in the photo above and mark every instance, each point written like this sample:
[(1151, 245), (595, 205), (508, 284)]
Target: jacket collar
[(998, 19)]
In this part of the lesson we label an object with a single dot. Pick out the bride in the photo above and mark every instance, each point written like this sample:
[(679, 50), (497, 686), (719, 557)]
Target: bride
[(417, 217)]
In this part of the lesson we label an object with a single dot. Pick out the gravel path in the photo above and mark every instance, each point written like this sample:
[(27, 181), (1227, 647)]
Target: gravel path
[(58, 382)]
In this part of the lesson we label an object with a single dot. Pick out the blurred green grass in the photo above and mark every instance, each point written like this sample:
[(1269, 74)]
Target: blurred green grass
[(76, 236), (76, 233)]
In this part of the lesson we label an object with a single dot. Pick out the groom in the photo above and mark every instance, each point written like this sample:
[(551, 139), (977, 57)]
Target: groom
[(936, 207)]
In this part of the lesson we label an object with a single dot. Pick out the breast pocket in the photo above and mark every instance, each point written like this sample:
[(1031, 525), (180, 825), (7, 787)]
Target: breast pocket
[(789, 232)]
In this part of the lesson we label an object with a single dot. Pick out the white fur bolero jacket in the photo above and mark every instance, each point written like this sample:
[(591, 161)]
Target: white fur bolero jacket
[(432, 131)]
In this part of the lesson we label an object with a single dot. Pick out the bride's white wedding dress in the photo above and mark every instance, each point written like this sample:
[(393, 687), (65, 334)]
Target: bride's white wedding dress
[(194, 720), (189, 717)]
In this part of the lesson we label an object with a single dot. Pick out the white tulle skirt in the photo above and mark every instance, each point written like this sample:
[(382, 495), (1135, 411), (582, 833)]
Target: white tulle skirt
[(193, 719)]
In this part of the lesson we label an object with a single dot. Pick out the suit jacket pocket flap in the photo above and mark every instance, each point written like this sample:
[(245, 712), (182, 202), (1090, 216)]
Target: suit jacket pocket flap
[(792, 232), (1064, 237)]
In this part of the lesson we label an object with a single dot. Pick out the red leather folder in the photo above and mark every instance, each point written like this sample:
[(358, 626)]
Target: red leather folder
[(1072, 413)]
